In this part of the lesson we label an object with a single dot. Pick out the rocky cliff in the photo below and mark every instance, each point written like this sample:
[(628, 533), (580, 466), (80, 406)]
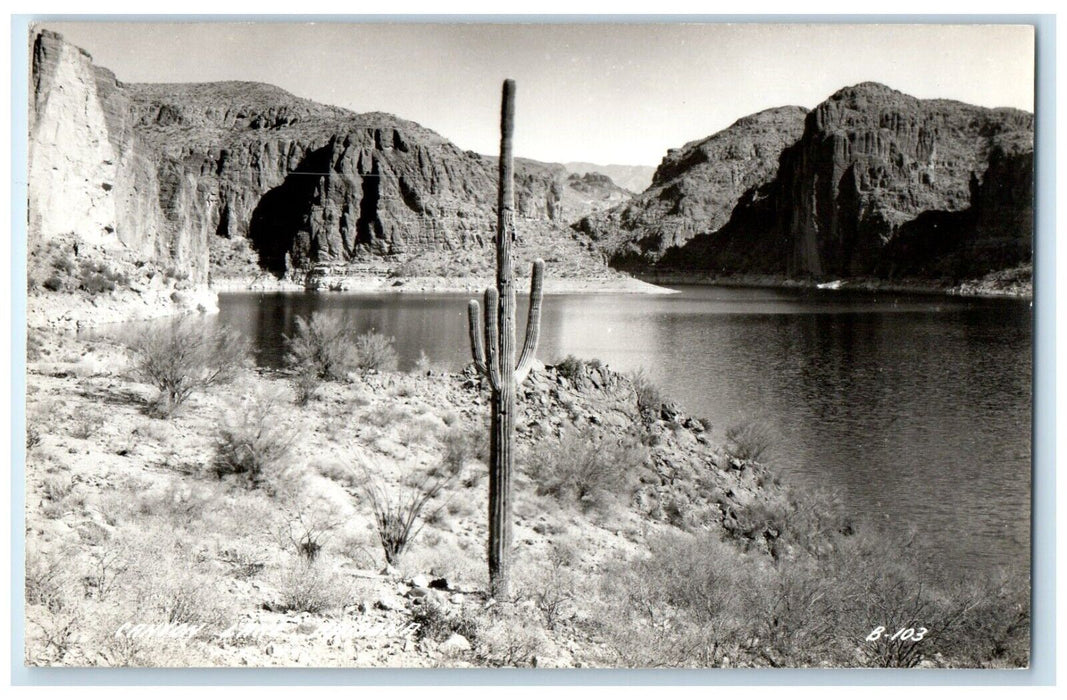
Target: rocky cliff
[(92, 177), (695, 188), (245, 175), (883, 184)]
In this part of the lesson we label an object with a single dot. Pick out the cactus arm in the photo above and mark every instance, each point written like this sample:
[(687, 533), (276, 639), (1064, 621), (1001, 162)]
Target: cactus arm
[(474, 320), (533, 322), (492, 338)]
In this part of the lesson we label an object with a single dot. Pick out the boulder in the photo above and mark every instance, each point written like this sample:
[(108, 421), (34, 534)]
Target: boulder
[(455, 644)]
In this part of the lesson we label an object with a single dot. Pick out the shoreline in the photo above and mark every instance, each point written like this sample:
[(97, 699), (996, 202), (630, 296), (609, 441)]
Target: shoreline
[(981, 288), (436, 285)]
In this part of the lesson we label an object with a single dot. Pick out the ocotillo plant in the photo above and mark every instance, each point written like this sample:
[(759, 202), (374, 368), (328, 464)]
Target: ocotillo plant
[(495, 355)]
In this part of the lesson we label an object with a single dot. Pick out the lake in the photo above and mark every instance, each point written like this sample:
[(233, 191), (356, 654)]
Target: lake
[(915, 409)]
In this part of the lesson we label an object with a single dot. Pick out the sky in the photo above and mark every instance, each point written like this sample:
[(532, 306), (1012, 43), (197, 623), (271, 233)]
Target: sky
[(602, 93)]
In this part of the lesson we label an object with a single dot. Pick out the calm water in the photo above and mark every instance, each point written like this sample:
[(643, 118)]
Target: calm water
[(916, 410)]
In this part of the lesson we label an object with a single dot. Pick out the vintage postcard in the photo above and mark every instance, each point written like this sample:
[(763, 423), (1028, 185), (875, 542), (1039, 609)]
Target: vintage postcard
[(553, 345)]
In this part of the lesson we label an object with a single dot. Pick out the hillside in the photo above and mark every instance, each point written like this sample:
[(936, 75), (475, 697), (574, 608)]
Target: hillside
[(150, 543), (695, 188)]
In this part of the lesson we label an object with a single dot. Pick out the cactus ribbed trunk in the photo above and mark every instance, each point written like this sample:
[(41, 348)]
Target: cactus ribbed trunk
[(495, 355), (502, 400)]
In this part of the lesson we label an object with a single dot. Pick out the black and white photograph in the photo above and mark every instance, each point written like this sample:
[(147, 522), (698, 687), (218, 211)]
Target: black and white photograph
[(545, 345)]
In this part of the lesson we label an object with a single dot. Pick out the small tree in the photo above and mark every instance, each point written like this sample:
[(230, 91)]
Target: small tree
[(321, 347), (255, 437), (185, 356), (375, 351)]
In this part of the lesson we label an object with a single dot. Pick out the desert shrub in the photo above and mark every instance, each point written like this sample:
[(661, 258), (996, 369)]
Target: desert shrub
[(749, 440), (48, 582), (309, 526), (305, 386), (57, 488), (460, 446), (255, 438), (164, 578), (422, 364), (509, 636), (641, 595), (184, 356), (33, 436), (991, 624), (438, 622), (180, 504), (585, 465), (36, 346), (341, 473), (386, 415), (694, 600), (85, 424), (570, 367), (552, 586), (54, 615), (782, 520), (321, 347), (649, 396), (95, 283), (375, 351), (98, 277), (399, 514), (418, 430), (312, 587)]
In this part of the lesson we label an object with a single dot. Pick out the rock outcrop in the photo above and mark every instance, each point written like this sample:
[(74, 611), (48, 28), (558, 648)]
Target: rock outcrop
[(883, 184), (634, 178), (245, 173), (695, 188)]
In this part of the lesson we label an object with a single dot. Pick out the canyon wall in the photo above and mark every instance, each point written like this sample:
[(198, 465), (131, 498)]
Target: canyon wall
[(187, 174), (878, 183), (92, 178), (695, 188)]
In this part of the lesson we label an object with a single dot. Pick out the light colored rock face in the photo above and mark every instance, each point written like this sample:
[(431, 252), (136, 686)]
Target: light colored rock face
[(72, 162), (92, 179)]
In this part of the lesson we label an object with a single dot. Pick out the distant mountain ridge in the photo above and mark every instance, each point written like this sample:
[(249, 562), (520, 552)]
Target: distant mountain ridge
[(872, 182), (635, 178)]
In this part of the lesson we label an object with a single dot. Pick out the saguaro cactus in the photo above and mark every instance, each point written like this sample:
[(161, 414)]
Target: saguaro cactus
[(495, 355)]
